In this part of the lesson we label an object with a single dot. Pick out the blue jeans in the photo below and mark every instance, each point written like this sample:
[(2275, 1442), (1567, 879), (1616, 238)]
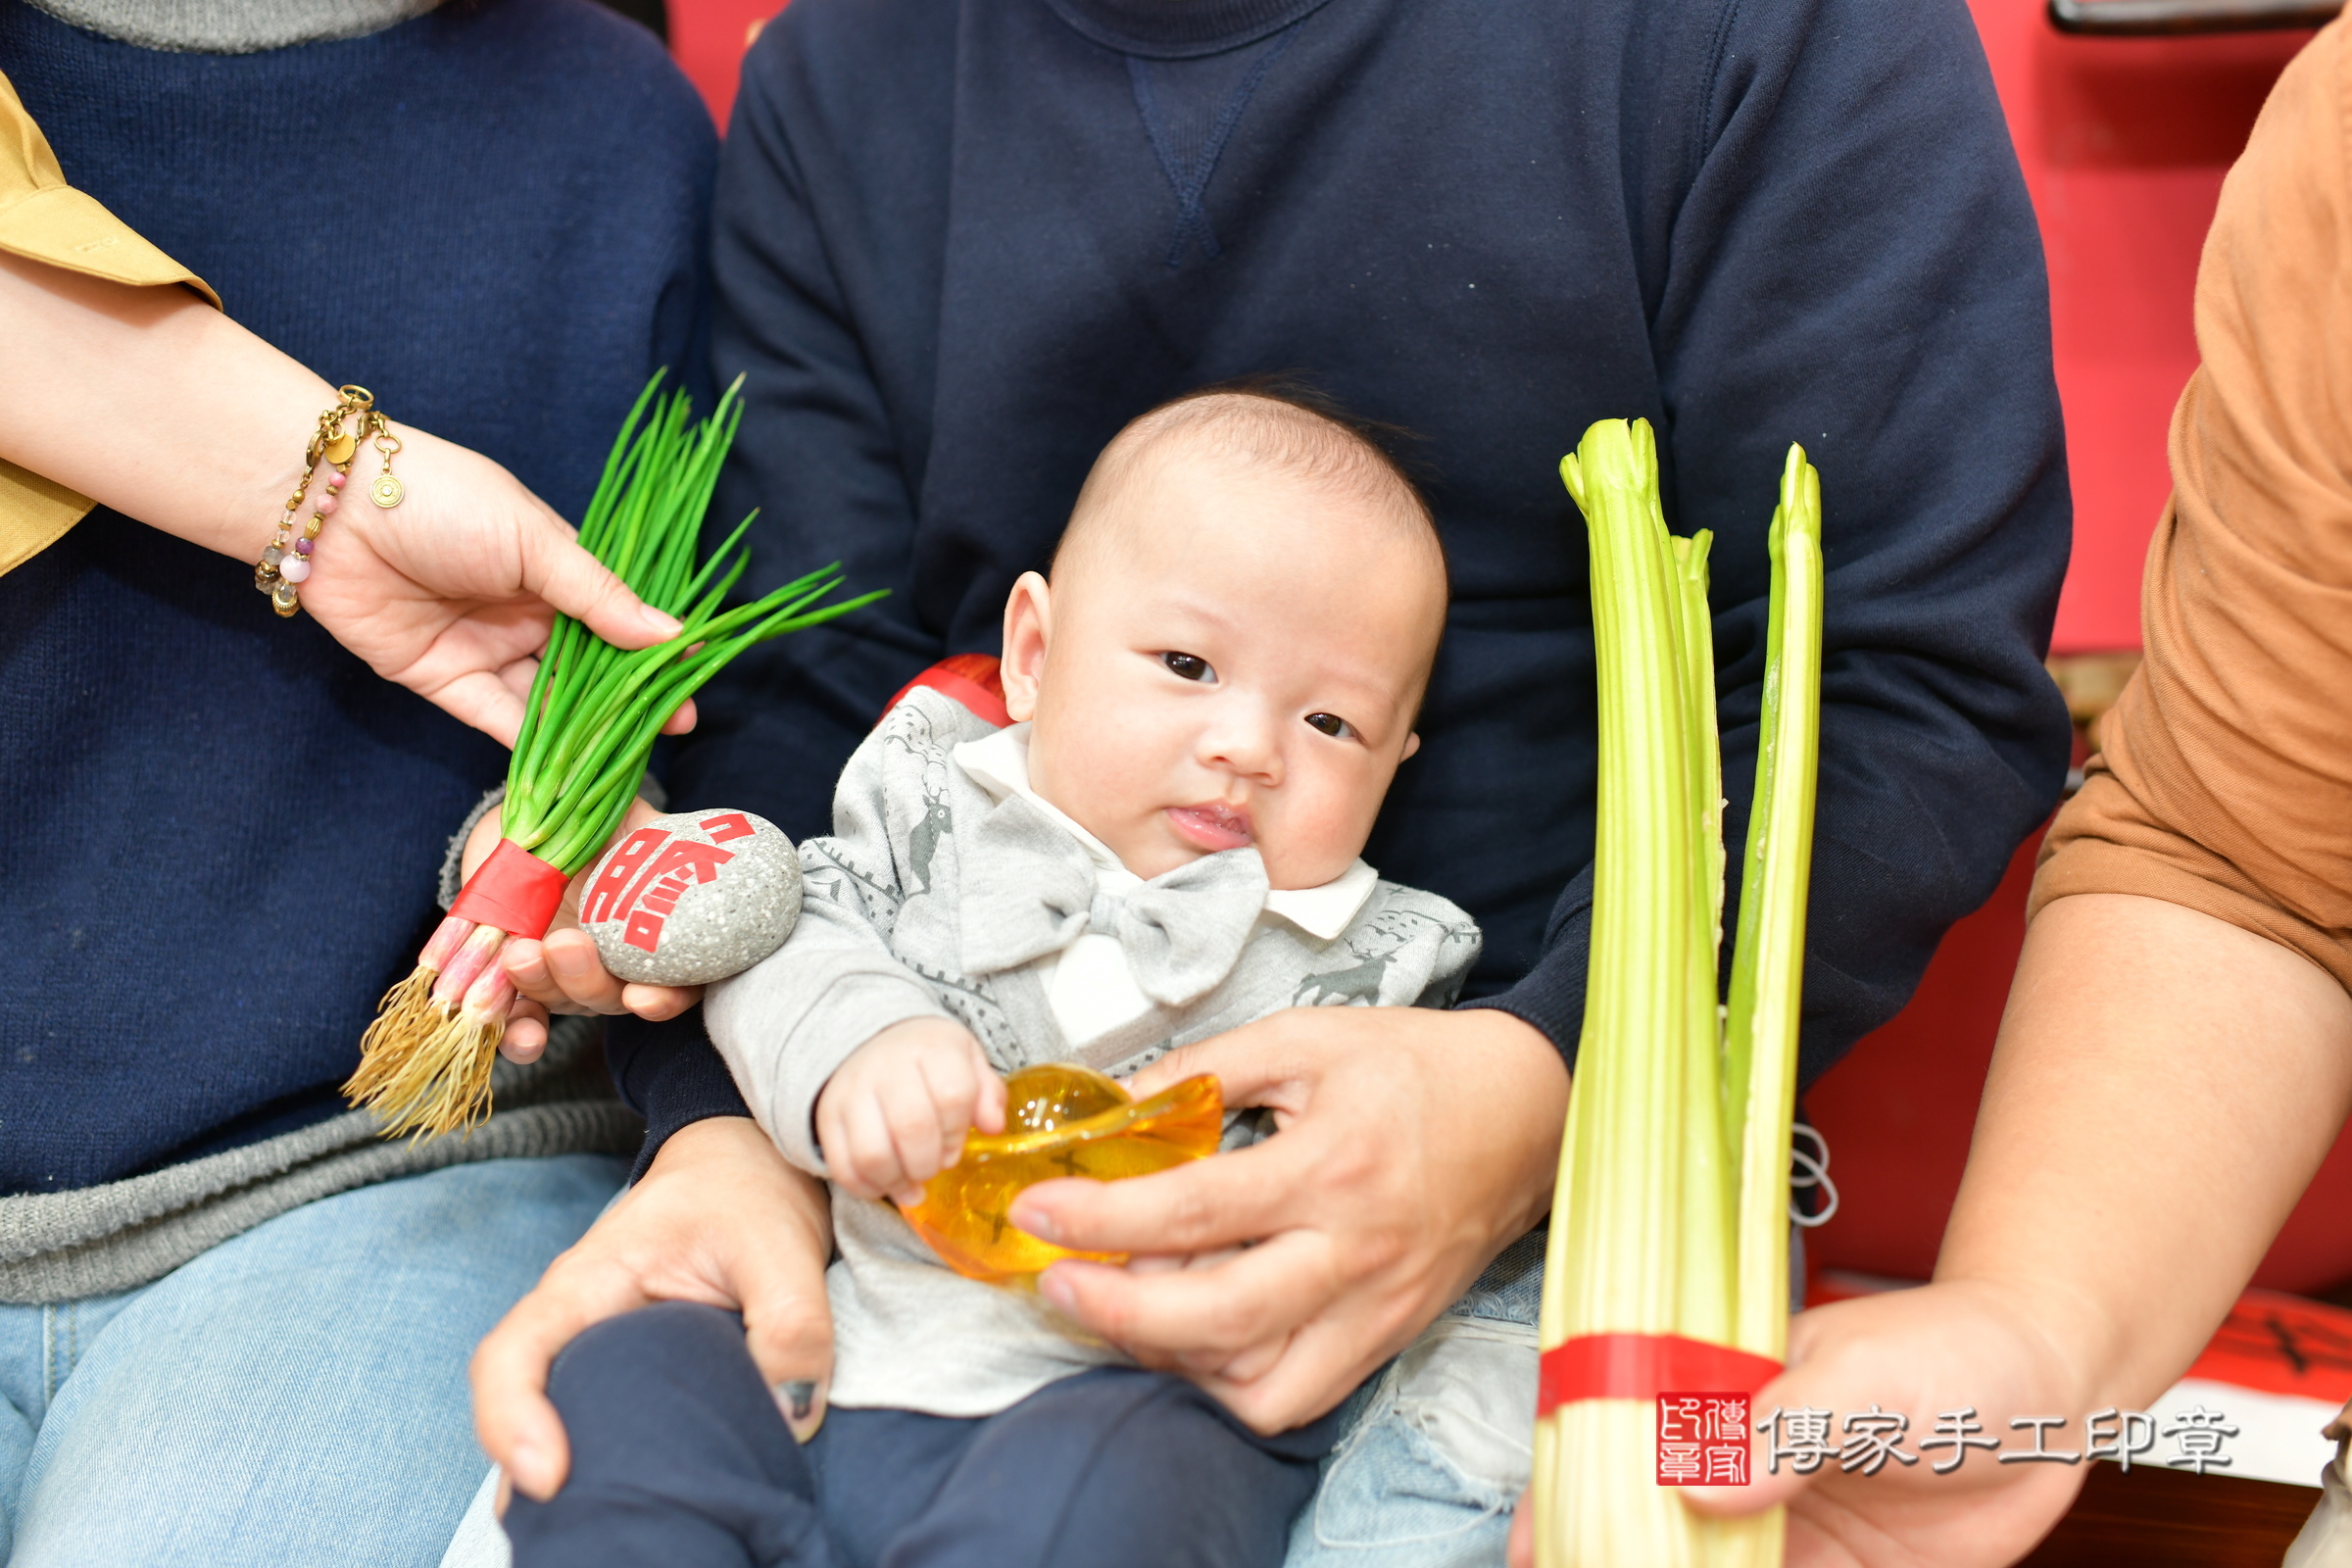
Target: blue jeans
[(295, 1396), (1437, 1447)]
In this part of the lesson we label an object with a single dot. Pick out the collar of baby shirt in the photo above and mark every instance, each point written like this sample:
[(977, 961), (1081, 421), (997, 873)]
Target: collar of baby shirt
[(998, 762)]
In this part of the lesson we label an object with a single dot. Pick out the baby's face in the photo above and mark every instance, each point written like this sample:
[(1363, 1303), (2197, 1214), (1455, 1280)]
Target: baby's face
[(1232, 658)]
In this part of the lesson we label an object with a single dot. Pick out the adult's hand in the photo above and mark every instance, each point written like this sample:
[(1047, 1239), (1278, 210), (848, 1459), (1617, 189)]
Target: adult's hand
[(450, 593), (1958, 1344), (562, 972), (1413, 1146), (2145, 1047), (719, 1219)]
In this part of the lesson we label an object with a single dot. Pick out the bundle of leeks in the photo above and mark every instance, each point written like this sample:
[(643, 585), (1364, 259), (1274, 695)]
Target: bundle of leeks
[(588, 727), (1667, 1269)]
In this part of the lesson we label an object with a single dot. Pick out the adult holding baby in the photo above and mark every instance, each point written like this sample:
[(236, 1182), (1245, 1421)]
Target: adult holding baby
[(959, 247), (233, 1321), (1210, 697)]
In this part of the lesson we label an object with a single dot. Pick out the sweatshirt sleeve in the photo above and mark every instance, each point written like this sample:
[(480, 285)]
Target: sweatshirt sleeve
[(1846, 258), (787, 1023), (2223, 782), (826, 461), (828, 479)]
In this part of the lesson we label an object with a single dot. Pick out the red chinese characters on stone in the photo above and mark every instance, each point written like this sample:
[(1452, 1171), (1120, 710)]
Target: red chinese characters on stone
[(1702, 1440), (602, 902), (727, 825), (649, 871)]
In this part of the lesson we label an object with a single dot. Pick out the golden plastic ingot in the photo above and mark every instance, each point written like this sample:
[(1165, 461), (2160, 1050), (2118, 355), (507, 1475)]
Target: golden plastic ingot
[(1059, 1120)]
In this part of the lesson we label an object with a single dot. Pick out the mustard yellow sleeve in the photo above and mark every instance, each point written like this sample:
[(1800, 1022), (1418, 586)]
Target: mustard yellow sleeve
[(42, 219)]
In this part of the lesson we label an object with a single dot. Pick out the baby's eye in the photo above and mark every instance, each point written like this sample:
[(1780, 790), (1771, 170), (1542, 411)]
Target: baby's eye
[(1189, 667), (1332, 724)]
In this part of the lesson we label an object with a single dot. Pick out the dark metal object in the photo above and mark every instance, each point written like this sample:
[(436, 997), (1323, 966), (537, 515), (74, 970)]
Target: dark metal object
[(2142, 18)]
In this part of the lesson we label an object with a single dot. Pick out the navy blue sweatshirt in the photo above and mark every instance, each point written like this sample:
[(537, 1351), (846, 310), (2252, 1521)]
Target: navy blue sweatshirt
[(959, 242), (224, 831)]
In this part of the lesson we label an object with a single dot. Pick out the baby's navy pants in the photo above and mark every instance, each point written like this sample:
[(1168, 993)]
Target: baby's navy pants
[(679, 1457)]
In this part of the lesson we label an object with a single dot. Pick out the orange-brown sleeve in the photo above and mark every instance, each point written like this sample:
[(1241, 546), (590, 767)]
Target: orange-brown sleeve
[(2225, 779)]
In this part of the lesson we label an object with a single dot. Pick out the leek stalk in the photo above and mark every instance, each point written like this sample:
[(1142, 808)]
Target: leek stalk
[(1671, 1211)]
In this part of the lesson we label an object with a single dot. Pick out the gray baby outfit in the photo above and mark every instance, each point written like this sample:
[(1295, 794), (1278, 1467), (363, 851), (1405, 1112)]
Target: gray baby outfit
[(949, 890)]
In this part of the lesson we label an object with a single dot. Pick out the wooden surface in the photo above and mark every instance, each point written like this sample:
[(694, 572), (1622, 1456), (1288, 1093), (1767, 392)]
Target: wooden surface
[(2158, 1518)]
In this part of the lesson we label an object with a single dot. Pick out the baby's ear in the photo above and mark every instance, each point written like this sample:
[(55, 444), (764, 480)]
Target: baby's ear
[(1028, 627)]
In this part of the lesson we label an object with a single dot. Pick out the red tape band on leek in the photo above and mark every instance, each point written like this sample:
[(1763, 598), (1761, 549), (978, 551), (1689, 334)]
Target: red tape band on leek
[(1642, 1366), (513, 891)]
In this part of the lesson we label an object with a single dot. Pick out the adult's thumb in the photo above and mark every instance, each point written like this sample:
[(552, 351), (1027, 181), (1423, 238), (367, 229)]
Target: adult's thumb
[(556, 570), (789, 1330), (1772, 1476)]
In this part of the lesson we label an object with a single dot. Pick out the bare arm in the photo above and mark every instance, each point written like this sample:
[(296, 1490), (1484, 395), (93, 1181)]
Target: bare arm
[(150, 402), (2165, 1084), (2176, 1054)]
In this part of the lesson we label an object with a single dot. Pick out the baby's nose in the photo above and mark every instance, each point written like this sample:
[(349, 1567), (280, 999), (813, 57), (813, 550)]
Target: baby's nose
[(1247, 747)]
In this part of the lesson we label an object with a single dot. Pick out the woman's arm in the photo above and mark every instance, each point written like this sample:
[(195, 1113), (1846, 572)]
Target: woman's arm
[(152, 402)]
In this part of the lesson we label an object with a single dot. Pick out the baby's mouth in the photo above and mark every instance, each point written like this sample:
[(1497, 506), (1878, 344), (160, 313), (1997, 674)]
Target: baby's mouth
[(1211, 827)]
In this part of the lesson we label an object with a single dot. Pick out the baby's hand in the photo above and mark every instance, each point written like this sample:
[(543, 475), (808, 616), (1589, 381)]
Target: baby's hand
[(895, 1115)]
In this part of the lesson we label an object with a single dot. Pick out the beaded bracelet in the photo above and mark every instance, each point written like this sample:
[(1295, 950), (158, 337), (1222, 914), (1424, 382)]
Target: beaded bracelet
[(285, 563)]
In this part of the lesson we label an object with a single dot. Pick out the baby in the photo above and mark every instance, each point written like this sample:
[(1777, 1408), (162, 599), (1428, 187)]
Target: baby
[(1211, 692)]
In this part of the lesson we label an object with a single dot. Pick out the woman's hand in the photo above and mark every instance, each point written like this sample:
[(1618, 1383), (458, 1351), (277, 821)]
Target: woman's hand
[(719, 1219), (561, 971), (1414, 1146), (451, 592)]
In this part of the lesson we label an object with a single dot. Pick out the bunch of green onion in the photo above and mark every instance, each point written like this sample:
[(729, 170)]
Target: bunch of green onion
[(589, 725), (1671, 1212)]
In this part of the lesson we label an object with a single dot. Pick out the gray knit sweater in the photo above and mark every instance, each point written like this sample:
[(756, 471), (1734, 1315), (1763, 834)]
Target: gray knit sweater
[(232, 26), (57, 1247)]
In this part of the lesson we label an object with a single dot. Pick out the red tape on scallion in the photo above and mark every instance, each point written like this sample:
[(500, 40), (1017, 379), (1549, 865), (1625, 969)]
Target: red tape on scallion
[(515, 891), (588, 725), (1642, 1366)]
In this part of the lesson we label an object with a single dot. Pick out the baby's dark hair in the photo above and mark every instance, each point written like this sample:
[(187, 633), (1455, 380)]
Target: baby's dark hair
[(1287, 425)]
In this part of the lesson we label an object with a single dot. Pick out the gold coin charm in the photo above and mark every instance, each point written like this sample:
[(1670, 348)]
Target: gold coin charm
[(339, 450), (386, 491)]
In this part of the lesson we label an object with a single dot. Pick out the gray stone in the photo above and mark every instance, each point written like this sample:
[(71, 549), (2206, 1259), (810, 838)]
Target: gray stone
[(692, 898)]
